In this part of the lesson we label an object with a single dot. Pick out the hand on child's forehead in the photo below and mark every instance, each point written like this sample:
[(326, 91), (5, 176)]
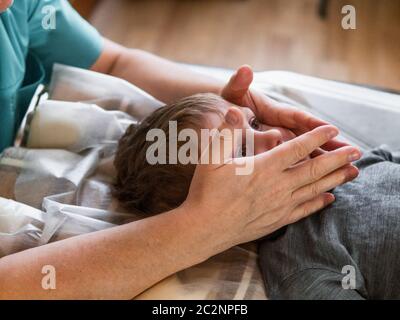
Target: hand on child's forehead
[(248, 112)]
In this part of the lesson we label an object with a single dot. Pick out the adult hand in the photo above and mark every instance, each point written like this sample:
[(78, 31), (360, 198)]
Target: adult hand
[(270, 111), (280, 191)]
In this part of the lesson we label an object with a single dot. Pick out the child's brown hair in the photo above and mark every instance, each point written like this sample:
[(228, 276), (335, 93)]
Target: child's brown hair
[(158, 188)]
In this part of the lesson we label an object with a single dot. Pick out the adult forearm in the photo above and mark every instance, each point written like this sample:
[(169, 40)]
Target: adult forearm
[(165, 80), (117, 263)]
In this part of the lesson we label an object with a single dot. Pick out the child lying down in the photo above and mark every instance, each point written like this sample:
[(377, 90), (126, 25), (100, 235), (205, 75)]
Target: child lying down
[(347, 251)]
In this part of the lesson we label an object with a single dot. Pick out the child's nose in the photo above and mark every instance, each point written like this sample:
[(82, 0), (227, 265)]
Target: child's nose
[(267, 140)]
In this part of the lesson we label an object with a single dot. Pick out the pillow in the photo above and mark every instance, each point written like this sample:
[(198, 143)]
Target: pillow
[(110, 93)]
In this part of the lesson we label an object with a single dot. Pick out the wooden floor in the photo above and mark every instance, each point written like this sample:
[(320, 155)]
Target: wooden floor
[(267, 34)]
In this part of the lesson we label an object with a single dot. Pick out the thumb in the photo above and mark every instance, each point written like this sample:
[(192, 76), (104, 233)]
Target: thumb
[(238, 85)]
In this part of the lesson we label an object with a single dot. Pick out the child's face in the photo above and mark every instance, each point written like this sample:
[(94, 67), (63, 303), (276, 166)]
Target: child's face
[(265, 137)]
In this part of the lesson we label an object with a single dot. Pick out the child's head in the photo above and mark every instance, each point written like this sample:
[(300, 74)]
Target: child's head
[(156, 188)]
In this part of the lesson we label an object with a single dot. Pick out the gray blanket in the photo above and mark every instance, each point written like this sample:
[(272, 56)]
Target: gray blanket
[(347, 251)]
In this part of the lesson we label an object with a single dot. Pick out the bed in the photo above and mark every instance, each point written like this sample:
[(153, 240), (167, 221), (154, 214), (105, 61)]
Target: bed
[(56, 181)]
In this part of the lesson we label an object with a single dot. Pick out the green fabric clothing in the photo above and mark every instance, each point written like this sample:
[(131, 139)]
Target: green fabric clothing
[(29, 46)]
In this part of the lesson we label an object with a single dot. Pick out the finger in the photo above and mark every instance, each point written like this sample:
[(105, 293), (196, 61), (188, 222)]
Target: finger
[(314, 169), (327, 183), (274, 113), (301, 122), (312, 206), (305, 121), (334, 144), (238, 85), (291, 152), (329, 146), (287, 116)]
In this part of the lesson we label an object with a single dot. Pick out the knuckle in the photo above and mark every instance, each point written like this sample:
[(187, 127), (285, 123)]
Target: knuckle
[(314, 170), (314, 190), (306, 211), (292, 197), (300, 150)]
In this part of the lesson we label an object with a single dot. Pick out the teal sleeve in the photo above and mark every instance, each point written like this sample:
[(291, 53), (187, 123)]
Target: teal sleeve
[(69, 40)]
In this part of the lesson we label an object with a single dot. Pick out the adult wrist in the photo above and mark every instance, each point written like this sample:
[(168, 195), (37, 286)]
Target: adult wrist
[(201, 232)]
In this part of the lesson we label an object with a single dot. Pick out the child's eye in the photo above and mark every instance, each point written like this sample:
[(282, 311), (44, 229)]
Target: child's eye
[(254, 123)]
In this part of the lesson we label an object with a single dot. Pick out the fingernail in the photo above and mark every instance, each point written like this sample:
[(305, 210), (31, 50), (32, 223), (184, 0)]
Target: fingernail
[(352, 173), (354, 156), (332, 133)]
